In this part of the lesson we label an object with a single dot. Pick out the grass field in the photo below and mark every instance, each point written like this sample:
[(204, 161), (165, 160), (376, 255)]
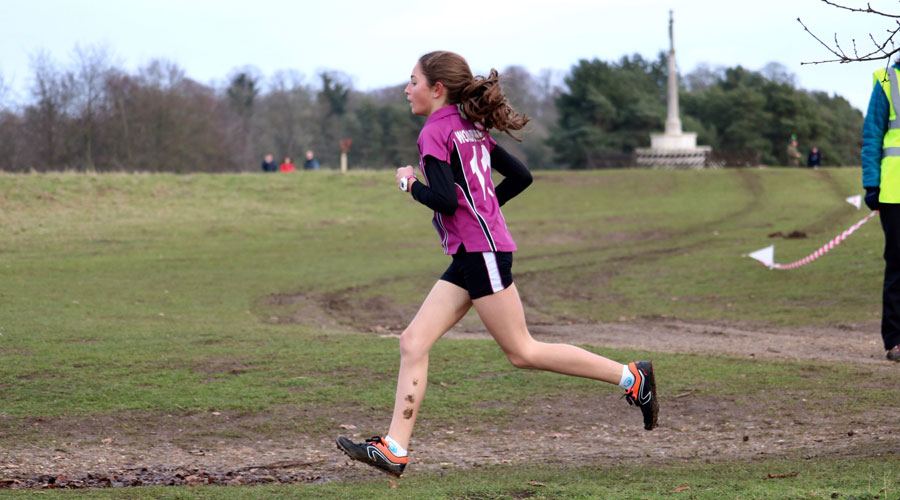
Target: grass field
[(130, 302)]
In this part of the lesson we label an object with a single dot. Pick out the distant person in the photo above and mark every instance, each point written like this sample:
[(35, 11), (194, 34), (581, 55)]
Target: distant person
[(288, 165), (880, 166), (815, 158), (793, 154), (311, 163), (456, 155), (268, 165)]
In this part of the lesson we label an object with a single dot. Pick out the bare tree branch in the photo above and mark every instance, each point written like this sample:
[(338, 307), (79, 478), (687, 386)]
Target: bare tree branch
[(876, 44), (880, 51), (817, 38), (838, 45), (867, 10)]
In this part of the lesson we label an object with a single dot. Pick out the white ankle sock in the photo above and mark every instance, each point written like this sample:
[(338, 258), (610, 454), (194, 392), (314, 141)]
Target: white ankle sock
[(395, 448), (627, 379)]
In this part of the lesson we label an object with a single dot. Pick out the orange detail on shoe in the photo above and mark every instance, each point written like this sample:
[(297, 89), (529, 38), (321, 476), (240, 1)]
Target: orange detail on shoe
[(387, 452), (638, 377)]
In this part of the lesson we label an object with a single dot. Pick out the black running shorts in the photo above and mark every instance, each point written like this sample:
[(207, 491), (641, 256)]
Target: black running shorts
[(480, 273)]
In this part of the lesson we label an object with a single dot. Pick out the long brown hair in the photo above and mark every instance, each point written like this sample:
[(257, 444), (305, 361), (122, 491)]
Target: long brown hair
[(480, 98)]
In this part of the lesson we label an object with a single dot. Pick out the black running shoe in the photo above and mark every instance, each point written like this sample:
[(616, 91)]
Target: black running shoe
[(374, 452), (643, 392), (894, 353)]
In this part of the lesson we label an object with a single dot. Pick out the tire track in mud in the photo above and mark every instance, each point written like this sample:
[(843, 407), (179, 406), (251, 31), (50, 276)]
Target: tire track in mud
[(828, 178), (837, 215), (361, 308), (750, 183)]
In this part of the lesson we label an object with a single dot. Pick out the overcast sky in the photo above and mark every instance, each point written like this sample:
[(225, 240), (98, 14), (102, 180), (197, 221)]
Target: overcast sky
[(376, 42)]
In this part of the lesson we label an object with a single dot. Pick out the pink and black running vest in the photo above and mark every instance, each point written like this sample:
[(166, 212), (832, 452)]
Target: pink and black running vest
[(477, 223)]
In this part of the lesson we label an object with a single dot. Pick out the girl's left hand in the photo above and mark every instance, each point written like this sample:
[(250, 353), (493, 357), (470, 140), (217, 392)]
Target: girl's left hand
[(402, 172)]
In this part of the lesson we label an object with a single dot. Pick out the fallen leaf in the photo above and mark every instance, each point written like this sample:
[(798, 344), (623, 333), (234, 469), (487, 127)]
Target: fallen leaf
[(348, 427), (393, 483), (106, 440), (536, 483), (680, 489)]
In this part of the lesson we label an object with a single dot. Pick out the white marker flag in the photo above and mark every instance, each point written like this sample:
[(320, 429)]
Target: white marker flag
[(765, 255), (856, 201)]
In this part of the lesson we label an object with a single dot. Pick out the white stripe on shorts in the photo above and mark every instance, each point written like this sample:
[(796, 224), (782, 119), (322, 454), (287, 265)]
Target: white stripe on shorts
[(490, 262)]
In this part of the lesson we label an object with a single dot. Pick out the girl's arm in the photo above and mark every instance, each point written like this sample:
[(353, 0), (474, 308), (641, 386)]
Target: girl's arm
[(440, 193), (516, 176)]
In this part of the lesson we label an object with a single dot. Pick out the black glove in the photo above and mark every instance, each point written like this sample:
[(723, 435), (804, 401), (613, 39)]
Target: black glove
[(872, 197)]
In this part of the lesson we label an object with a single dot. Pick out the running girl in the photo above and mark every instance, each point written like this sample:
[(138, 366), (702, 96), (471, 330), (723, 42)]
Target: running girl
[(456, 155)]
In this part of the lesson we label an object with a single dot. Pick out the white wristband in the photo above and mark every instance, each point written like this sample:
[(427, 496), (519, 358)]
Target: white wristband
[(404, 182)]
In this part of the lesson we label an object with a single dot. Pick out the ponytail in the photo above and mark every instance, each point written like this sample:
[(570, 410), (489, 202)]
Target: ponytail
[(483, 102), (479, 98)]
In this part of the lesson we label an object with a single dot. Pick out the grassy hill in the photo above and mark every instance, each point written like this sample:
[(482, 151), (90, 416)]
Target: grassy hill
[(127, 298)]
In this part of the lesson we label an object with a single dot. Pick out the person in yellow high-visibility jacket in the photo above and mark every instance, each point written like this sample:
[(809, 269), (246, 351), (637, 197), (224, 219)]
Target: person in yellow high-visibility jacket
[(881, 178)]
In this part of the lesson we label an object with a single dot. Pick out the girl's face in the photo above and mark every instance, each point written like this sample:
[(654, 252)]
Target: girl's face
[(423, 99)]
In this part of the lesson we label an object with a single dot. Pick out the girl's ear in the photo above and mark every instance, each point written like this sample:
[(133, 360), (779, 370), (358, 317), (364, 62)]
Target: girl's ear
[(438, 90)]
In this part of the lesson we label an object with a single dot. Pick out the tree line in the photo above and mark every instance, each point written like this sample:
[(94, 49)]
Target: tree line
[(92, 115), (612, 107)]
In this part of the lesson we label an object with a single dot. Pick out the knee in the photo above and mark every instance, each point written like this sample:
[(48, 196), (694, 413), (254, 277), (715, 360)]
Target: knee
[(525, 357), (411, 345)]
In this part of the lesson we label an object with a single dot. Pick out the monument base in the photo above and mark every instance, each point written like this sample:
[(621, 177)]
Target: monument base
[(684, 140), (673, 158)]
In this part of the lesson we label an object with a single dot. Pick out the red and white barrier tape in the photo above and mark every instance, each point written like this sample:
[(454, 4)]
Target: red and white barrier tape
[(767, 255)]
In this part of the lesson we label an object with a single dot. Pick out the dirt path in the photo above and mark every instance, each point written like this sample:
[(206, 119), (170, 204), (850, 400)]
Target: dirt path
[(568, 431)]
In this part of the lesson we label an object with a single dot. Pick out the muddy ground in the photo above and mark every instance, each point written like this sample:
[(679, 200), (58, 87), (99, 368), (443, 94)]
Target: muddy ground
[(144, 449)]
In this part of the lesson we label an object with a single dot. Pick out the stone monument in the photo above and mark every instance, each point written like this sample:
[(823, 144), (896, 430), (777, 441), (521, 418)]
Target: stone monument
[(673, 148)]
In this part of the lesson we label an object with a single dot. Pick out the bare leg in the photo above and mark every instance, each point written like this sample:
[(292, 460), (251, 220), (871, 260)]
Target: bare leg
[(504, 317), (445, 305)]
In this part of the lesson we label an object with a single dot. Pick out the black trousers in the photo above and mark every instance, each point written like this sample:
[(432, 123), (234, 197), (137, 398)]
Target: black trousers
[(890, 301)]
